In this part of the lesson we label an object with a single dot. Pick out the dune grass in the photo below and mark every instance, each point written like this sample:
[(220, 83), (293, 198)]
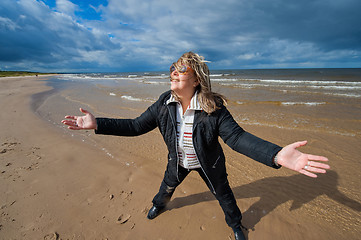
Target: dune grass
[(19, 73)]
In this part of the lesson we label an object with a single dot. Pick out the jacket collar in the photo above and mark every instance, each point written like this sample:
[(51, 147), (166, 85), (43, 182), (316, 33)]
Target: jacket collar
[(193, 105)]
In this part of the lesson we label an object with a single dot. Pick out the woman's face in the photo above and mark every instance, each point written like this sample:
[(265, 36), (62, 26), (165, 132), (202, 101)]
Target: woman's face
[(183, 80)]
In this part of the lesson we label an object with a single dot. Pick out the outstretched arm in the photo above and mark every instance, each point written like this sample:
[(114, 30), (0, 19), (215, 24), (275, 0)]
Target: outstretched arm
[(85, 122), (306, 164)]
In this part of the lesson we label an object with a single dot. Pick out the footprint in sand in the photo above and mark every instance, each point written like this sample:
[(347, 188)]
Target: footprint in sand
[(126, 195), (8, 146), (52, 236), (123, 218)]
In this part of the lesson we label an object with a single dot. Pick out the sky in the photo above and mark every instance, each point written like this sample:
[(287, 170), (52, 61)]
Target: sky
[(148, 35)]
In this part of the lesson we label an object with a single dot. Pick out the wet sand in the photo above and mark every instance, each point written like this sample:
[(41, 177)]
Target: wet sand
[(61, 184)]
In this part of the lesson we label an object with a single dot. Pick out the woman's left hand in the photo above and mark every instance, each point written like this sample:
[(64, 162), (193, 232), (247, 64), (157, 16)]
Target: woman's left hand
[(306, 164)]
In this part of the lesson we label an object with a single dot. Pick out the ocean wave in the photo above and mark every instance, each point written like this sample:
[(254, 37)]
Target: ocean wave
[(245, 85), (155, 82), (163, 76), (338, 87), (84, 77), (303, 103), (283, 103), (348, 95), (309, 82), (328, 93), (254, 82), (114, 77), (223, 80), (131, 98)]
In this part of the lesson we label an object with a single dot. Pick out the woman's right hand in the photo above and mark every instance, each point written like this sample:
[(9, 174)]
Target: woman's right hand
[(85, 122)]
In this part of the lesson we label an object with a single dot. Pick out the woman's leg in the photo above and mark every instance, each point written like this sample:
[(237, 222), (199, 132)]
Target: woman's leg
[(226, 199), (168, 186)]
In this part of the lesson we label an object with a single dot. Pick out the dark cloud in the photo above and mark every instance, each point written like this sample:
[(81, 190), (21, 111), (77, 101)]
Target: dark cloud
[(329, 24), (144, 35), (31, 33)]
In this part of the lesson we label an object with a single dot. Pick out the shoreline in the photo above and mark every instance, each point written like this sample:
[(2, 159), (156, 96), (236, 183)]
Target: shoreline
[(68, 183)]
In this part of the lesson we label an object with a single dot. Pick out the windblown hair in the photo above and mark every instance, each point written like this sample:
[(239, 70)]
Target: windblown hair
[(209, 101)]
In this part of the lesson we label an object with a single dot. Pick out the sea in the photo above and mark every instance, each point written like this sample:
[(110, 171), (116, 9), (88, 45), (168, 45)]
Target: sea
[(317, 100)]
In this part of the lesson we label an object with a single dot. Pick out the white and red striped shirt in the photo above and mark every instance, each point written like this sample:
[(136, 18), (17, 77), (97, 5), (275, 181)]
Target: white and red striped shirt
[(186, 153)]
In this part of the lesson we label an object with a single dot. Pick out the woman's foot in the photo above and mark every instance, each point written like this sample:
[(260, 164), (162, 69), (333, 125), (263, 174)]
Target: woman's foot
[(238, 234), (154, 212)]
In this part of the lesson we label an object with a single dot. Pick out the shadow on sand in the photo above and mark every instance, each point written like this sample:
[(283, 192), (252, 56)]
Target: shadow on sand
[(275, 191)]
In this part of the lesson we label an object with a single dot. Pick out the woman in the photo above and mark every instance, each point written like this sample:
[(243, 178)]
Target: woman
[(190, 118)]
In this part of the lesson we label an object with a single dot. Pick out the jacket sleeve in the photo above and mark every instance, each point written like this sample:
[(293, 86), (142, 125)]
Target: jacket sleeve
[(245, 143), (146, 122)]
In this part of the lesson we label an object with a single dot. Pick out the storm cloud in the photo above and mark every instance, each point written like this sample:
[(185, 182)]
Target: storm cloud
[(131, 35)]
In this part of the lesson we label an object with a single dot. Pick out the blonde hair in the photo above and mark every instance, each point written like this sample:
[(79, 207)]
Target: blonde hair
[(209, 101)]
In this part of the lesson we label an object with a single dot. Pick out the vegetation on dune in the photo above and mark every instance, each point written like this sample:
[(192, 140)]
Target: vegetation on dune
[(19, 73)]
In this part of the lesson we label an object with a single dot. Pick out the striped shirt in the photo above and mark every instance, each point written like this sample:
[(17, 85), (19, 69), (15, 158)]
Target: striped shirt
[(186, 153)]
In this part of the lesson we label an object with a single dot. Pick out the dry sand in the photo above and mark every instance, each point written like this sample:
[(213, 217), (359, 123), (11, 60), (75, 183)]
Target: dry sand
[(54, 186)]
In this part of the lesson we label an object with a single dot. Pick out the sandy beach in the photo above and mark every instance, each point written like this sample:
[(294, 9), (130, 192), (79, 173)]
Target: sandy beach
[(56, 185)]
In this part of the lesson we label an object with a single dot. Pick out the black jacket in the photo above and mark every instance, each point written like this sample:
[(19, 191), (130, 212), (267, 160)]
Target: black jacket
[(206, 129)]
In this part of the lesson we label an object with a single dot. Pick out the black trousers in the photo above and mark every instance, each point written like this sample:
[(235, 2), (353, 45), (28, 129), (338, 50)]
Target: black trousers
[(224, 194)]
